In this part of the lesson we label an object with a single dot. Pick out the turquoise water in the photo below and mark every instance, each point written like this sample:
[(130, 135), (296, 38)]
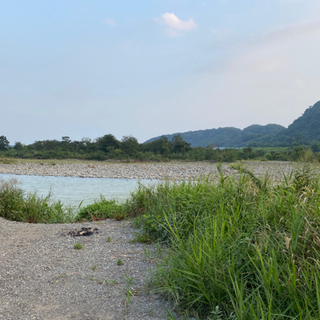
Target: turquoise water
[(73, 190)]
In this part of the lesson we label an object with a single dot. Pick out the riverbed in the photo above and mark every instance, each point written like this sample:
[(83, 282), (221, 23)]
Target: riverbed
[(75, 182)]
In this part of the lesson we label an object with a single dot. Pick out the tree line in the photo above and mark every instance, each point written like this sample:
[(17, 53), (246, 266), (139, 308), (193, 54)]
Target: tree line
[(108, 147)]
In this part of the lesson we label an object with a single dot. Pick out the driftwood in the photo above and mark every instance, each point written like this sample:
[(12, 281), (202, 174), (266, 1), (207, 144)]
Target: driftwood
[(85, 231)]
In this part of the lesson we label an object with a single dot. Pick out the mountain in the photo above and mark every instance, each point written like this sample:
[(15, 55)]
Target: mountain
[(306, 127), (227, 136), (303, 130)]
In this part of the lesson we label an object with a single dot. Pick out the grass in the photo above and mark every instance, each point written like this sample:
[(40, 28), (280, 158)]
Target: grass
[(237, 249), (78, 246), (16, 205), (101, 210)]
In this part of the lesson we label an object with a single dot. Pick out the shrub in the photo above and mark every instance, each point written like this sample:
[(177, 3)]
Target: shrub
[(243, 247), (18, 206), (102, 209)]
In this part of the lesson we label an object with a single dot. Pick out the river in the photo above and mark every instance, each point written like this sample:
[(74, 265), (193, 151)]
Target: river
[(71, 191)]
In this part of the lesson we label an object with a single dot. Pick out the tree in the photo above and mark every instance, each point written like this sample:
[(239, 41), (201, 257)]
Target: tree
[(107, 143), (4, 143), (179, 145), (160, 145), (18, 146), (130, 145), (65, 143)]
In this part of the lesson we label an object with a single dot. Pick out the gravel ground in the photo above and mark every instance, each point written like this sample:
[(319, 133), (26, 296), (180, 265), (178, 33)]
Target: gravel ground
[(161, 171), (42, 276)]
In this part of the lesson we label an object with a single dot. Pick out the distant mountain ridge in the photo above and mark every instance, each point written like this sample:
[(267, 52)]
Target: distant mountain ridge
[(305, 128), (227, 136)]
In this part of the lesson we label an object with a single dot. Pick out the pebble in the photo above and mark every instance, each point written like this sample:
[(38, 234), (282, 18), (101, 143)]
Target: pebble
[(160, 171)]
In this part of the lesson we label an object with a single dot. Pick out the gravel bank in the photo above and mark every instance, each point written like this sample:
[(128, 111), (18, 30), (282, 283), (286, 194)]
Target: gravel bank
[(42, 276), (160, 171)]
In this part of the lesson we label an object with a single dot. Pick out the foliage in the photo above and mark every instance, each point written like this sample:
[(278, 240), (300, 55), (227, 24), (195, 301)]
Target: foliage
[(77, 246), (238, 249), (102, 209), (128, 149), (18, 206), (4, 143), (225, 137)]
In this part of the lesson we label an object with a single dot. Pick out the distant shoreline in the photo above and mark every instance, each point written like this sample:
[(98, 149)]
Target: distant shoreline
[(159, 171)]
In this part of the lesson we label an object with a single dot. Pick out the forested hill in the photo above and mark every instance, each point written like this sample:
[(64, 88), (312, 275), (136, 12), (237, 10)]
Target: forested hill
[(226, 137), (306, 127)]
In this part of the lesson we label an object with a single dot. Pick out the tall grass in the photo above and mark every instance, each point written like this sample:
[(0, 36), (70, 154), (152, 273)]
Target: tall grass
[(16, 205), (244, 247)]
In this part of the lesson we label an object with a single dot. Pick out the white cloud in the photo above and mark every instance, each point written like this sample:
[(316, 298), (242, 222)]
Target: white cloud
[(109, 22), (175, 24)]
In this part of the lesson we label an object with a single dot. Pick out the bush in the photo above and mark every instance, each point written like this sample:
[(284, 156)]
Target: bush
[(244, 247), (102, 209), (18, 206)]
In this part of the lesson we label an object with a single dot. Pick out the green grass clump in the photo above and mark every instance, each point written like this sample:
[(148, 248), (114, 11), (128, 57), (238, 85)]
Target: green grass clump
[(240, 248), (77, 246), (16, 205), (103, 209)]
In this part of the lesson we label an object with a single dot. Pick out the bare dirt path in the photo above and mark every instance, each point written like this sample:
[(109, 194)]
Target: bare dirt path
[(42, 276)]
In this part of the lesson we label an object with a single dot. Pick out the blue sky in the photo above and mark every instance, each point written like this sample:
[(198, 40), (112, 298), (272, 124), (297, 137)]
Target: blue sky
[(145, 68)]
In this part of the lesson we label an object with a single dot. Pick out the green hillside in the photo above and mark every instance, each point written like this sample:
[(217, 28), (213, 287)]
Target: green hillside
[(306, 127), (226, 137), (304, 130)]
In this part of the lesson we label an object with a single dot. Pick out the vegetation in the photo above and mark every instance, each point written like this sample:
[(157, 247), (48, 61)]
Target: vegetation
[(18, 206), (238, 249), (77, 246), (108, 147), (303, 131), (226, 137), (193, 145), (101, 210)]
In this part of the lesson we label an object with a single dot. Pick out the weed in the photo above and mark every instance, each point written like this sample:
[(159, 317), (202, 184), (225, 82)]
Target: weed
[(108, 239), (94, 268), (110, 282), (129, 280), (18, 206), (77, 246), (101, 210), (237, 249), (140, 237), (119, 262)]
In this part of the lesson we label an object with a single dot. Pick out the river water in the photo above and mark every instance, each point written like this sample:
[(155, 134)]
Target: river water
[(72, 190)]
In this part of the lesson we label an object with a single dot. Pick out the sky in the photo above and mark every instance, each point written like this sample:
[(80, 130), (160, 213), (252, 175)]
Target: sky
[(145, 68)]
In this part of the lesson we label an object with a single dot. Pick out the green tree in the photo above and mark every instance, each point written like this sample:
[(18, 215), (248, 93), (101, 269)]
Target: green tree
[(107, 142), (4, 143), (160, 145), (130, 145), (18, 146), (65, 143), (179, 145)]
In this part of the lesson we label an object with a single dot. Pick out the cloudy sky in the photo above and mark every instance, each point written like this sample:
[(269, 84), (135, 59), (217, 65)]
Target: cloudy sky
[(146, 68)]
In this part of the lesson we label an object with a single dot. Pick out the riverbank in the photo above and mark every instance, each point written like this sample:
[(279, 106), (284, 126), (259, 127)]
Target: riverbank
[(161, 171), (43, 276)]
